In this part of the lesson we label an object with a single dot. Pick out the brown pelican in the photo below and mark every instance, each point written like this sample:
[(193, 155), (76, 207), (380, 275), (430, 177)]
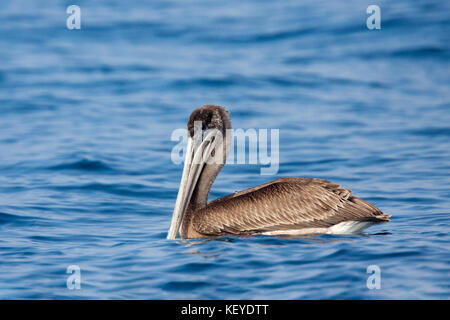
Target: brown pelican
[(285, 206)]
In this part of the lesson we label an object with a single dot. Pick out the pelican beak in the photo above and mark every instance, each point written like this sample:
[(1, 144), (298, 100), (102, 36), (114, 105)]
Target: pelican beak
[(198, 152)]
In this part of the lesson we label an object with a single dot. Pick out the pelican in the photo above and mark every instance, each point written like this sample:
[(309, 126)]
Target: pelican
[(285, 206)]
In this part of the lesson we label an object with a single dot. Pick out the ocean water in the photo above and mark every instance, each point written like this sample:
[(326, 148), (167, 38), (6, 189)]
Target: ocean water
[(86, 176)]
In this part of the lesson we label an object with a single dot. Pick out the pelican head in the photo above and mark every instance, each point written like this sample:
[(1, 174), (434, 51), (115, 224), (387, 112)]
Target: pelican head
[(206, 152)]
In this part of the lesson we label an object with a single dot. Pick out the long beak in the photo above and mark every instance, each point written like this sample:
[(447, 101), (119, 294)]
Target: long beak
[(197, 153)]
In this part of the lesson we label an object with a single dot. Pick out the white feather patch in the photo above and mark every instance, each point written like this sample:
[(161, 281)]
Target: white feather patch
[(349, 227), (346, 227)]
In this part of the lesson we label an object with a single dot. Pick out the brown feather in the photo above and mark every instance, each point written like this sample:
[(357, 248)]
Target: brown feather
[(283, 204)]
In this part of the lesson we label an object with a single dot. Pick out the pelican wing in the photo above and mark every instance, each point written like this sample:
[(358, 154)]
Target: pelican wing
[(284, 204)]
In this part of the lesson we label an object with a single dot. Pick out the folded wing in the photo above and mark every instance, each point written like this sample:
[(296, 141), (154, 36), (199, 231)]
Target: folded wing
[(284, 204)]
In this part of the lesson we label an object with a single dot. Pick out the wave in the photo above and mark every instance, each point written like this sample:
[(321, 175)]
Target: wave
[(83, 165)]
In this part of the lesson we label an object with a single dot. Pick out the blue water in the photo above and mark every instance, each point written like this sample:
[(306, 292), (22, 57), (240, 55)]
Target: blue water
[(86, 176)]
